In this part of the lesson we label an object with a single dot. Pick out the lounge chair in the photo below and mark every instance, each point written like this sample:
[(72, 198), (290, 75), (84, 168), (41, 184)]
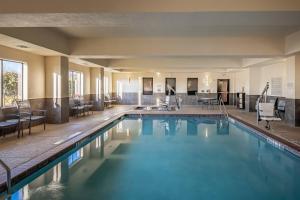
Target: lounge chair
[(32, 115), (266, 112), (15, 121), (7, 126)]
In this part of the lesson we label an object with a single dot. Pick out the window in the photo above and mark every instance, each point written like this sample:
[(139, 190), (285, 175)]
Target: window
[(106, 86), (120, 89), (170, 87), (75, 84), (75, 157), (12, 82)]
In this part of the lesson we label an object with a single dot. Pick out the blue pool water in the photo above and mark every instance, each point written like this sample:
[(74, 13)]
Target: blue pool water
[(169, 158)]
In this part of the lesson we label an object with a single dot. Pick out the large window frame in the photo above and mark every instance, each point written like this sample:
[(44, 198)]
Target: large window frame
[(106, 85), (192, 86), (23, 94), (72, 88)]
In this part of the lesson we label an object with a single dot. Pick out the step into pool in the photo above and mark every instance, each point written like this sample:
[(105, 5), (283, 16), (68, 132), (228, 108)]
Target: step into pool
[(171, 157)]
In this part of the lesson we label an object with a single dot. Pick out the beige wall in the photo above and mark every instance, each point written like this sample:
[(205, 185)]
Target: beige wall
[(206, 81), (36, 69), (283, 69), (254, 79), (57, 77), (86, 76), (241, 81)]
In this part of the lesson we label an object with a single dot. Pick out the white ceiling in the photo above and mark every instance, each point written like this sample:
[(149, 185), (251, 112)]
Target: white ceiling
[(146, 32)]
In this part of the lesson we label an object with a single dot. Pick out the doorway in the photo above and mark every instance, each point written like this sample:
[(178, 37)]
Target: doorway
[(223, 90)]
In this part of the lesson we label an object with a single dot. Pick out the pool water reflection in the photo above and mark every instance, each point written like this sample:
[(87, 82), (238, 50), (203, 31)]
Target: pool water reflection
[(170, 158)]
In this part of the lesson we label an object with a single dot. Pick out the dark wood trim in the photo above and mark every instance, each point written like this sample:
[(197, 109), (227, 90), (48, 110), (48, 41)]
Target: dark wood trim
[(166, 80), (191, 93), (228, 90), (147, 92)]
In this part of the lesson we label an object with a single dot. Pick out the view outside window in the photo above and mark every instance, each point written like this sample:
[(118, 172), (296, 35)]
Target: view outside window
[(106, 86), (12, 82), (75, 84)]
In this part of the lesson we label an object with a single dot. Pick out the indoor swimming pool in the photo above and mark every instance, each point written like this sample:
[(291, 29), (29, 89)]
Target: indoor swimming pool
[(169, 157)]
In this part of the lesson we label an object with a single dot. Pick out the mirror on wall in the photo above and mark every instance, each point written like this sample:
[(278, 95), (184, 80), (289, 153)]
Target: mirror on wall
[(192, 86), (170, 87), (147, 86)]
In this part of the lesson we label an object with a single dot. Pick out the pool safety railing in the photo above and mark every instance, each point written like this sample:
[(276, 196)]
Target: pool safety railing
[(261, 99), (222, 107), (8, 176)]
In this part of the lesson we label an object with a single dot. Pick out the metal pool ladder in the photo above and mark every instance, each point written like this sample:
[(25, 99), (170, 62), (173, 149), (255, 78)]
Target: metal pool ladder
[(8, 176), (222, 107)]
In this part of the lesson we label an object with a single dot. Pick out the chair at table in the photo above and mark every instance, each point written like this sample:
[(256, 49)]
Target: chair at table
[(32, 115), (202, 101), (75, 107), (109, 101), (87, 105)]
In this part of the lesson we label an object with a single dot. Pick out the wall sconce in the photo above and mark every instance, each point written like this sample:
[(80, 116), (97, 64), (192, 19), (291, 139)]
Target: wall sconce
[(207, 80)]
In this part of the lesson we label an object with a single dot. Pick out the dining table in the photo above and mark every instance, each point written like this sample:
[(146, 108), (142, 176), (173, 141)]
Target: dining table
[(207, 101)]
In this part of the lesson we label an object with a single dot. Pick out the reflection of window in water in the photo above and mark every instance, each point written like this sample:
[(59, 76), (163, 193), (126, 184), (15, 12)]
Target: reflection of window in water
[(22, 194), (98, 142), (119, 127), (57, 172), (75, 157), (105, 135)]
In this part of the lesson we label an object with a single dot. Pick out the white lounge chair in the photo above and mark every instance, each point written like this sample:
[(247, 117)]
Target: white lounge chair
[(267, 113)]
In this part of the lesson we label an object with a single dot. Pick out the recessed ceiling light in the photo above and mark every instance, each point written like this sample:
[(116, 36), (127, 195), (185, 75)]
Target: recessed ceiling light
[(22, 46)]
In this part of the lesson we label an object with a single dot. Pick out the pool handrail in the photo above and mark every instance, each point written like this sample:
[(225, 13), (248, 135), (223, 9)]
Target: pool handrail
[(222, 107), (8, 175)]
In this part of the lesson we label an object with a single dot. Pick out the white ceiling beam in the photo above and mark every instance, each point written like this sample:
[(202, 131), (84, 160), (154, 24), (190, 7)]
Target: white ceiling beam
[(246, 46), (157, 64), (69, 6), (141, 19), (43, 37)]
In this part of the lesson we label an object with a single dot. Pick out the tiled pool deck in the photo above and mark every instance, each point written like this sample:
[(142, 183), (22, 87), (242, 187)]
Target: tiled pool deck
[(24, 154)]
